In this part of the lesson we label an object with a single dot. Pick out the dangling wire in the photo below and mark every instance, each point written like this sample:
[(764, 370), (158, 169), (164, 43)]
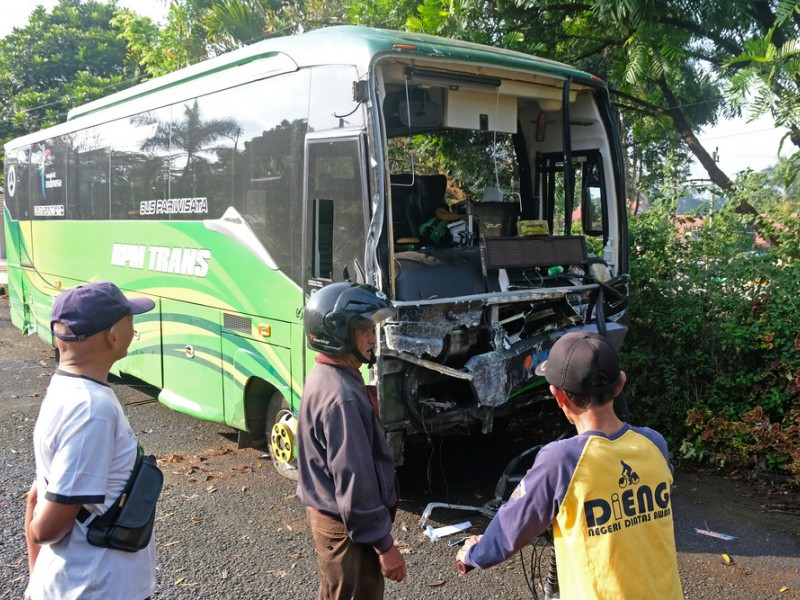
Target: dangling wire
[(537, 574)]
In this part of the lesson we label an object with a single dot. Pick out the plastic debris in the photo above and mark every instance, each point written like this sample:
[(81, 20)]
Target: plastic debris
[(436, 534), (727, 559), (715, 534)]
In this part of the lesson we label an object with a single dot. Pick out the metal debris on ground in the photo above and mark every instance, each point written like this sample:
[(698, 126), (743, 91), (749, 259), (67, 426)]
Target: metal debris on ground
[(438, 533), (715, 534)]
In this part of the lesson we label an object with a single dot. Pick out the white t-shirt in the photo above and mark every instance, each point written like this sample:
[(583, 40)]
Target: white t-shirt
[(85, 451)]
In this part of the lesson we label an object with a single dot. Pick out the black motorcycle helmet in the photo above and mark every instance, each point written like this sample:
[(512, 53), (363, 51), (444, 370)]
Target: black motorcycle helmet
[(329, 313)]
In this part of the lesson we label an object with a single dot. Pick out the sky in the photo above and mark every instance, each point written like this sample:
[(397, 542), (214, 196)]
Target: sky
[(741, 144)]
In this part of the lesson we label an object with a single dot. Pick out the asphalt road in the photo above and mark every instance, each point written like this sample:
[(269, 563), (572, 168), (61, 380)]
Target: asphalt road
[(230, 527)]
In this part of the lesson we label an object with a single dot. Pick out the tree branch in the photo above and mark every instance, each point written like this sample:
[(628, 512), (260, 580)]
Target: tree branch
[(697, 30), (643, 104)]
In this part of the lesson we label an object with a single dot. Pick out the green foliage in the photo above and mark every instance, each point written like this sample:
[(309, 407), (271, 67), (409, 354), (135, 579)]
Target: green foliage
[(200, 29), (142, 38), (232, 23), (184, 40), (765, 75), (57, 61), (713, 353), (388, 14)]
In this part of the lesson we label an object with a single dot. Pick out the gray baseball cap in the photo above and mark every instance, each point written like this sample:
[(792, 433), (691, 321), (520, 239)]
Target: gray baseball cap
[(582, 363)]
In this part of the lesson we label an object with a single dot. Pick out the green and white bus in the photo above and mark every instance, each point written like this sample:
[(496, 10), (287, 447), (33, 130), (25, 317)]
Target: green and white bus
[(480, 189)]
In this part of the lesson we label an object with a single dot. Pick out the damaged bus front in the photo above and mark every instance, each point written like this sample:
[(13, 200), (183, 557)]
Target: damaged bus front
[(503, 227)]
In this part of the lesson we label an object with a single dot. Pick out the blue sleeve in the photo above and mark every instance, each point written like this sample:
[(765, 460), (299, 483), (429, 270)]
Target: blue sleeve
[(659, 442), (532, 507)]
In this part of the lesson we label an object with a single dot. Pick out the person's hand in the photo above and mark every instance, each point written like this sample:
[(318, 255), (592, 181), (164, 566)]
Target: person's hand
[(468, 543), (393, 565)]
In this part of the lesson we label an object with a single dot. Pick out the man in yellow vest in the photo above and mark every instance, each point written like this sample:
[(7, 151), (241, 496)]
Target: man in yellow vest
[(605, 491)]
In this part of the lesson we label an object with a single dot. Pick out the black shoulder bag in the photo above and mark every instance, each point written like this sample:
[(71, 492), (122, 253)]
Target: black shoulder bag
[(128, 523)]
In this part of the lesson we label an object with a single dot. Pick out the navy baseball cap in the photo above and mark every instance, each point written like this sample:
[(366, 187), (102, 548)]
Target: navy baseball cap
[(94, 307), (582, 363)]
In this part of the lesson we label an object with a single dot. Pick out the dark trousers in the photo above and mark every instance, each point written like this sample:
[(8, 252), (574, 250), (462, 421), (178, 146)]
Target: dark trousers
[(347, 571)]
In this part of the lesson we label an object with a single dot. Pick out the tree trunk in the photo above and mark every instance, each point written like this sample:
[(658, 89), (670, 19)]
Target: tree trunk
[(690, 139), (714, 172)]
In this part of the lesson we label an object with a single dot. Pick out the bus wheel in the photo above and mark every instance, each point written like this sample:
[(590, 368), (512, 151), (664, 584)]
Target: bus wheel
[(281, 443)]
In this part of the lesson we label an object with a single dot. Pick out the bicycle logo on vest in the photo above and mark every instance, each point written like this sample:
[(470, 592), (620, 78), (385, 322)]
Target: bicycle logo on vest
[(628, 477)]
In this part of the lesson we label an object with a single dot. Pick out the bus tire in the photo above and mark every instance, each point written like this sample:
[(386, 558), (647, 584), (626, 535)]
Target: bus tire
[(280, 438)]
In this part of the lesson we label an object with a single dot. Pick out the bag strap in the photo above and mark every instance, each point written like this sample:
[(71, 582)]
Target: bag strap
[(84, 514)]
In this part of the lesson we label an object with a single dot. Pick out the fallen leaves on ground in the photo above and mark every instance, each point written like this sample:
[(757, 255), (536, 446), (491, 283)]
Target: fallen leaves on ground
[(781, 507), (403, 547)]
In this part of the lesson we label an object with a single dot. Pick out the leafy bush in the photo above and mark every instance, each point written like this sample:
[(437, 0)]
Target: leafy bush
[(713, 353), (753, 442)]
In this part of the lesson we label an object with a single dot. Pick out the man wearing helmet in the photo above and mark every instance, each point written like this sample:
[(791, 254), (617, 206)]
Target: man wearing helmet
[(346, 476)]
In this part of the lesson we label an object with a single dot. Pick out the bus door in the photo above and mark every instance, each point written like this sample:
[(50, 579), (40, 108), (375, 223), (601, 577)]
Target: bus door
[(336, 214), (192, 359)]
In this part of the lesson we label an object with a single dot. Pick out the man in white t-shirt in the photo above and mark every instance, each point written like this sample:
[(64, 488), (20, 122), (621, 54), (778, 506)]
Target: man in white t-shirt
[(85, 451)]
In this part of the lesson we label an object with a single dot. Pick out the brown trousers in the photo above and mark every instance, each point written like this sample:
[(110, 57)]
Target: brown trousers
[(347, 571)]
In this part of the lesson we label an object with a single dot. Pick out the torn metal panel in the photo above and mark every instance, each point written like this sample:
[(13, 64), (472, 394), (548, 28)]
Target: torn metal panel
[(496, 374), (421, 329), (431, 365)]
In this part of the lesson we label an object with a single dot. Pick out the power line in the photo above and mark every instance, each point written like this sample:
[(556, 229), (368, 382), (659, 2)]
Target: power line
[(741, 133)]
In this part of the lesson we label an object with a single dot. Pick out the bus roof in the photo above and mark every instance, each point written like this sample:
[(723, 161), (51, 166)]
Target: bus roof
[(344, 44)]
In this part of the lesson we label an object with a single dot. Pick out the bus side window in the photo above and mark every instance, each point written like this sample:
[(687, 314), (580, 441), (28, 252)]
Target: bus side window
[(336, 208), (592, 209), (140, 163), (91, 181), (17, 183)]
